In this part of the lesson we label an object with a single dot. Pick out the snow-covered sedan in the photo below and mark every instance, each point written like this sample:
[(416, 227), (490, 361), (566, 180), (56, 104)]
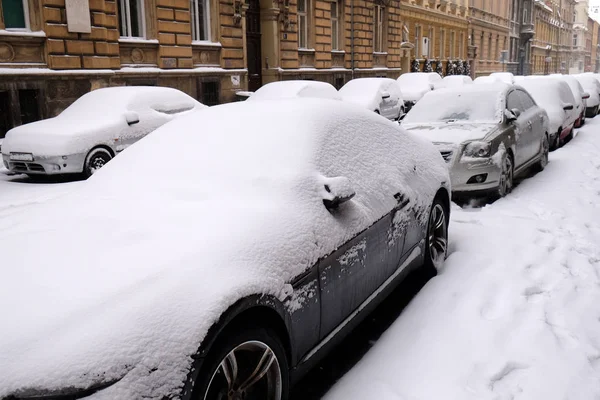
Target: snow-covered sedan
[(579, 94), (381, 95), (415, 84), (451, 81), (488, 135), (591, 85), (230, 278), (92, 130), (554, 96), (295, 89)]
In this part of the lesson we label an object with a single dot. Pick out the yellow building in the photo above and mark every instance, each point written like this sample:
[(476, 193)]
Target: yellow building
[(554, 40), (595, 53), (489, 32)]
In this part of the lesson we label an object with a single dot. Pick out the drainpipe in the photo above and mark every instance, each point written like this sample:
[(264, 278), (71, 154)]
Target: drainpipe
[(352, 36)]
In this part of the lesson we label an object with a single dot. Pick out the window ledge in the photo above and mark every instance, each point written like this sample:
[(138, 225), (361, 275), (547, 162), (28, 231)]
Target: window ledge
[(380, 53), (338, 51), (206, 43), (137, 40), (22, 33), (303, 50)]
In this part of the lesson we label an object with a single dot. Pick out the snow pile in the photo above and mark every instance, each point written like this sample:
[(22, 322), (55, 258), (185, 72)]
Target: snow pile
[(455, 81), (98, 117), (506, 77), (155, 257), (295, 89), (415, 84), (514, 313)]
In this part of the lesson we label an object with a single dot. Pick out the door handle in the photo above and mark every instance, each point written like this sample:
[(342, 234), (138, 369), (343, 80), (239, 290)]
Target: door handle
[(402, 200), (529, 125)]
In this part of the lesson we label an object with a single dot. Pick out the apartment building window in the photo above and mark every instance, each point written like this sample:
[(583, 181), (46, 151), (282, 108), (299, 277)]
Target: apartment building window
[(15, 14), (525, 16), (378, 28), (574, 40), (489, 55), (418, 49), (200, 18), (335, 25), (461, 45), (431, 42), (208, 92), (452, 43), (303, 24), (131, 17), (442, 43)]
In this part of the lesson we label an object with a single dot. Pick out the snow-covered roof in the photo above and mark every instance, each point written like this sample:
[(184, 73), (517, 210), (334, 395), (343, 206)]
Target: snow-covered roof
[(367, 92), (295, 89)]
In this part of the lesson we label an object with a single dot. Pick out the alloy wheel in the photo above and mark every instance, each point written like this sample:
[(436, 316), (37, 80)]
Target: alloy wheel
[(438, 235), (250, 371), (545, 149), (506, 177)]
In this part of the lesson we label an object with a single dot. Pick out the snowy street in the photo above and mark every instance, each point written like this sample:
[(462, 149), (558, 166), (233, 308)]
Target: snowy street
[(514, 312)]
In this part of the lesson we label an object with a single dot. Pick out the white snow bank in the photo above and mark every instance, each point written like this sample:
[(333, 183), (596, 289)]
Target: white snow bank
[(295, 89), (514, 313)]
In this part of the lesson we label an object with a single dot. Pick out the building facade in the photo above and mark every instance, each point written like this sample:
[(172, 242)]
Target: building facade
[(552, 44), (489, 33), (522, 30), (577, 61)]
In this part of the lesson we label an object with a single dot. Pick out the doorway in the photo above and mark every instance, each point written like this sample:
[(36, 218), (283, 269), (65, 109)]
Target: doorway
[(253, 48)]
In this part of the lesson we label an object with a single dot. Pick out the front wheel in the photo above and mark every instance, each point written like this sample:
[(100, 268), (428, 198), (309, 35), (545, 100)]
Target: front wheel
[(247, 364), (96, 159), (506, 177), (541, 164), (436, 245)]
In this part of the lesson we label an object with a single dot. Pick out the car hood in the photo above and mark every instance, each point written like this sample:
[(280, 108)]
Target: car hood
[(59, 136), (451, 132)]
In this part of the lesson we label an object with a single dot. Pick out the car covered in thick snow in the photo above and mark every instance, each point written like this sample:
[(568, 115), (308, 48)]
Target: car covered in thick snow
[(295, 89), (92, 130), (486, 79), (579, 94), (381, 95), (415, 84), (554, 96), (591, 85), (231, 277), (506, 77), (451, 81), (488, 135)]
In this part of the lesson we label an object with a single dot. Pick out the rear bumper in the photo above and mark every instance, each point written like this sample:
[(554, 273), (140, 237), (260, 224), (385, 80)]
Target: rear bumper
[(70, 164)]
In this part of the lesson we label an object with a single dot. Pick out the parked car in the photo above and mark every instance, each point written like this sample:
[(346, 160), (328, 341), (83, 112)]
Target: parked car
[(415, 84), (295, 89), (506, 77), (381, 95), (451, 81), (488, 135), (486, 80), (283, 225), (92, 130), (579, 95), (554, 96), (591, 85)]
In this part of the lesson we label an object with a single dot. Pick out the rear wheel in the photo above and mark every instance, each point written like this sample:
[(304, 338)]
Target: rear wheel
[(436, 246), (245, 364), (556, 142), (96, 159)]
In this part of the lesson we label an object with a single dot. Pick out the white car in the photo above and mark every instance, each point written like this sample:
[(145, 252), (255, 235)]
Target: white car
[(92, 130), (554, 96), (295, 89), (415, 84), (453, 81), (506, 77), (381, 95), (486, 80), (219, 257), (591, 85), (579, 94)]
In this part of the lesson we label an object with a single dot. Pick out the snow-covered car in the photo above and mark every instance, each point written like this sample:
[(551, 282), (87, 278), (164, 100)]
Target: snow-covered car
[(295, 89), (554, 96), (591, 85), (579, 94), (487, 79), (230, 277), (415, 84), (381, 95), (488, 135), (506, 77), (92, 130), (451, 81)]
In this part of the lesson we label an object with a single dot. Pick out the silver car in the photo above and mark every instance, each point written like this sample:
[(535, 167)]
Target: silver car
[(92, 130), (488, 134)]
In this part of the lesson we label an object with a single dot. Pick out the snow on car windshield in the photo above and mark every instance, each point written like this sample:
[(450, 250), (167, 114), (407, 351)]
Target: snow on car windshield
[(545, 92), (449, 105)]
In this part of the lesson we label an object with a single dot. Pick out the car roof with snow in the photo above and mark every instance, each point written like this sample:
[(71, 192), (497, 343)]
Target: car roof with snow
[(549, 93), (295, 89)]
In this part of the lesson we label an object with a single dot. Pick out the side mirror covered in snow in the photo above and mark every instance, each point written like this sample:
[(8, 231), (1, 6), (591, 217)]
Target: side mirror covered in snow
[(132, 117), (568, 107), (337, 191), (385, 95), (510, 115), (585, 95)]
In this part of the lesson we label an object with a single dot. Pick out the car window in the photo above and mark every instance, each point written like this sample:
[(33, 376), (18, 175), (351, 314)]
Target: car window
[(513, 100), (526, 100)]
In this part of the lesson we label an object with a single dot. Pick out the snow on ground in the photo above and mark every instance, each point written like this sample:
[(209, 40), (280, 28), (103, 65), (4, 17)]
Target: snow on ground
[(514, 313)]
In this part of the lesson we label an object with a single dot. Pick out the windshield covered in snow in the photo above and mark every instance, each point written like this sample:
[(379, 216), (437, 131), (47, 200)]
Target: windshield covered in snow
[(450, 105)]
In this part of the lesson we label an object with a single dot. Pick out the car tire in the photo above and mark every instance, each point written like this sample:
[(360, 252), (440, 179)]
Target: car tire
[(436, 237), (568, 138), (556, 142), (247, 363), (505, 185), (95, 160), (541, 164)]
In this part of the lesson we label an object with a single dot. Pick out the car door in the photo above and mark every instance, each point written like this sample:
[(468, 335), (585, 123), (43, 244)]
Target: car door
[(535, 125), (523, 126)]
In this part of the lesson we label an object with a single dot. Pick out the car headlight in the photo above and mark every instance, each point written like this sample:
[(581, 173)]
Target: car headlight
[(477, 149)]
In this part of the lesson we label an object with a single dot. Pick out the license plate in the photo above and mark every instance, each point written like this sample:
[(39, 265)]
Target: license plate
[(21, 157)]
